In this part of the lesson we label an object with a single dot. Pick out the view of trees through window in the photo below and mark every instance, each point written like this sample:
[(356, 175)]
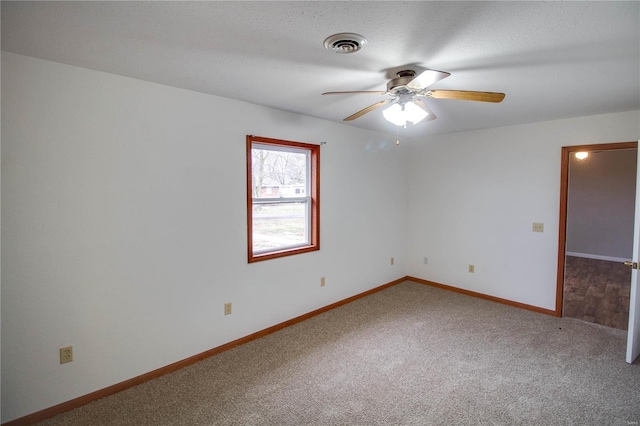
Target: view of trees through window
[(280, 197)]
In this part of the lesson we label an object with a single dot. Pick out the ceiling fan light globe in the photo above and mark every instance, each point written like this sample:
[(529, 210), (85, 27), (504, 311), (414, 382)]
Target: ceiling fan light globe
[(395, 115), (414, 113)]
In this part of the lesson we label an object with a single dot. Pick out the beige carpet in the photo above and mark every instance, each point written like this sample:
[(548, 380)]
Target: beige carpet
[(408, 355)]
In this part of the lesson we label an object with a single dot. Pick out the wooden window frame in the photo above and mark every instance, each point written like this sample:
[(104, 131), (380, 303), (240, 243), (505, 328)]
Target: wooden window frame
[(314, 210)]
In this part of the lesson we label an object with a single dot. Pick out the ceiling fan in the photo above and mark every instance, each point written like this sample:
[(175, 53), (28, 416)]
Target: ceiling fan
[(407, 91)]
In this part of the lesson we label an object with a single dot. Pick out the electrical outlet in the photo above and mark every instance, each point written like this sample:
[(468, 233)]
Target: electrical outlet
[(66, 354), (426, 261), (392, 260), (472, 268), (321, 281), (538, 227), (227, 308)]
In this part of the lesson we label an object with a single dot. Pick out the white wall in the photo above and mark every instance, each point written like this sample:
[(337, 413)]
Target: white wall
[(473, 198), (123, 222), (601, 204), (124, 227)]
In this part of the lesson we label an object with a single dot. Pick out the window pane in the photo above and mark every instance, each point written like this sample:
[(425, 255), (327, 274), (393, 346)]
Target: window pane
[(278, 226), (278, 173)]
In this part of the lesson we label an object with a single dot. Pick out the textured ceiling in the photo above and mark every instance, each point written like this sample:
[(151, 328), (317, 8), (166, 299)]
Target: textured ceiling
[(553, 60)]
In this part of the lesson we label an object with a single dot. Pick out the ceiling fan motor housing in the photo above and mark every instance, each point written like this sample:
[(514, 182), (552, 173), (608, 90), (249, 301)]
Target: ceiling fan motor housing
[(399, 83)]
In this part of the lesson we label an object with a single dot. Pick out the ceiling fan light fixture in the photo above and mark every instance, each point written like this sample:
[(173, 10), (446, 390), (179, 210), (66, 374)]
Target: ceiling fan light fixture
[(400, 114), (395, 114), (414, 113)]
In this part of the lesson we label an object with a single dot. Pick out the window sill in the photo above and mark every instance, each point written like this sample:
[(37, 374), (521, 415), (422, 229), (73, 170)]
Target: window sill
[(282, 253)]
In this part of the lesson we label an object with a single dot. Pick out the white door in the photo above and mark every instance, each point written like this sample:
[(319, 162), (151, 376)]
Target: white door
[(633, 334)]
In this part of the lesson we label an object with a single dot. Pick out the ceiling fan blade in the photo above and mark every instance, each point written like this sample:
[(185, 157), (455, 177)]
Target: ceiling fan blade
[(421, 104), (355, 92), (368, 109), (465, 95), (426, 78)]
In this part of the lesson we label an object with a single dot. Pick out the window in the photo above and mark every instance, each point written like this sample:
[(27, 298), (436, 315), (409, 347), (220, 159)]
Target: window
[(284, 219)]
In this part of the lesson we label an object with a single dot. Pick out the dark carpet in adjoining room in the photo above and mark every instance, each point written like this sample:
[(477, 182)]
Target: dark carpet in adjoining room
[(597, 291)]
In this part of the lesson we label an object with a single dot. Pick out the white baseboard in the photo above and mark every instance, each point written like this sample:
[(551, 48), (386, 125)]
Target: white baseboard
[(598, 257)]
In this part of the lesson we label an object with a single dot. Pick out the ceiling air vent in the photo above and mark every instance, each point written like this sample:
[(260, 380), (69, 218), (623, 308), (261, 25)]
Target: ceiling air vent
[(345, 42)]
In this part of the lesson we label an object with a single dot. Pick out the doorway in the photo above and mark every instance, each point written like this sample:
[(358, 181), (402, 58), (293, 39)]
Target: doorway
[(597, 211)]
